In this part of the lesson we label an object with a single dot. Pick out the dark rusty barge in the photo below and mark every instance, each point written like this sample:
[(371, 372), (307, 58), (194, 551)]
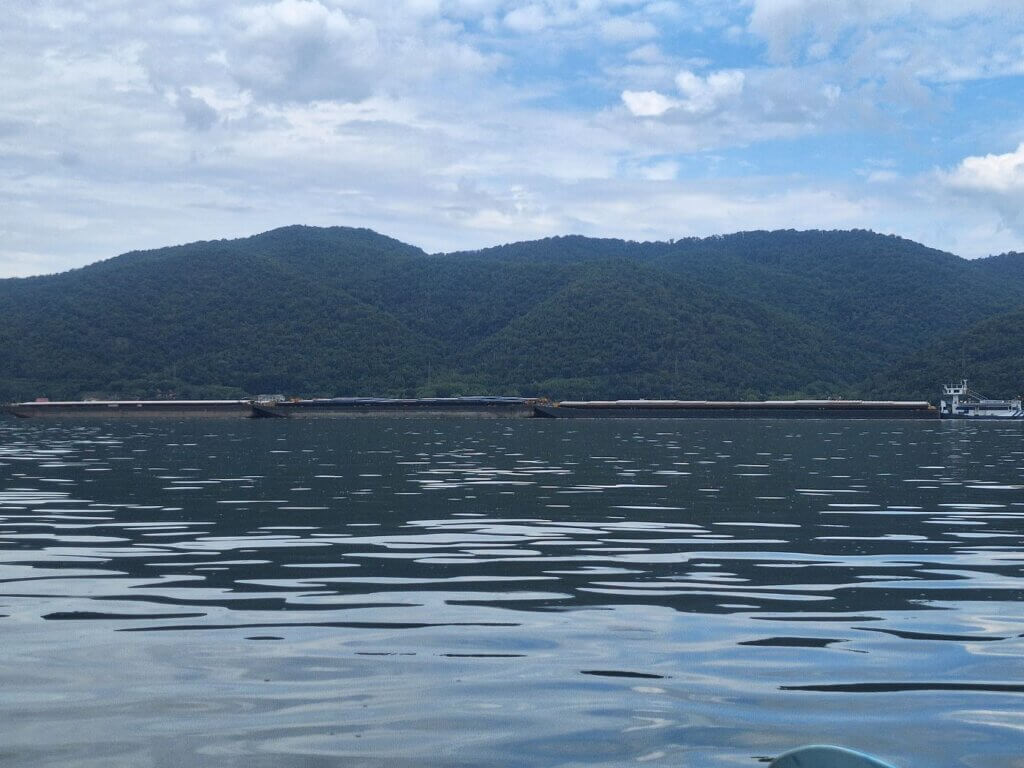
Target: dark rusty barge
[(738, 409)]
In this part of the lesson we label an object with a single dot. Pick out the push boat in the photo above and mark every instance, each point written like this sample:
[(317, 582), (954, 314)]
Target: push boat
[(960, 402)]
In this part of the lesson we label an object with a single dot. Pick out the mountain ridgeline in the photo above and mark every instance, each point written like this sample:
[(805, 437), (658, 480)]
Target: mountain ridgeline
[(339, 311)]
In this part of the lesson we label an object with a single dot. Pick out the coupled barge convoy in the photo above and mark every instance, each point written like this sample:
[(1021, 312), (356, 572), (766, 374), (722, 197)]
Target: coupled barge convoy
[(958, 402), (495, 407)]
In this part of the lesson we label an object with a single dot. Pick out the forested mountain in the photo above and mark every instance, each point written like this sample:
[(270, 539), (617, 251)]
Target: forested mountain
[(989, 353), (341, 311)]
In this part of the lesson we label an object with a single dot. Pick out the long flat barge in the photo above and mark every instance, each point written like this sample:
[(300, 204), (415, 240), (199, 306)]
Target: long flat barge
[(343, 407), (492, 407), (130, 409), (737, 409)]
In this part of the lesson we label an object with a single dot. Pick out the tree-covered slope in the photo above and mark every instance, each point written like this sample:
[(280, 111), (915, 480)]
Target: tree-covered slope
[(990, 354), (200, 319), (1005, 266), (876, 297), (620, 331), (314, 311)]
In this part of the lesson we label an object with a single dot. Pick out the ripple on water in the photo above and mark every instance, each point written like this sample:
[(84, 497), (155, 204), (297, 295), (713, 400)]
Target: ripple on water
[(515, 570)]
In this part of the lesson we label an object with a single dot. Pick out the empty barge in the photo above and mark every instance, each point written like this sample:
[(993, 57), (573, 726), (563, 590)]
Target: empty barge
[(131, 409), (493, 407), (341, 407), (737, 409)]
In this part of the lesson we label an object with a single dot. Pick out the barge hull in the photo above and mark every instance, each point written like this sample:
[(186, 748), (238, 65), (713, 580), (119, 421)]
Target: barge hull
[(133, 409), (736, 411), (497, 408)]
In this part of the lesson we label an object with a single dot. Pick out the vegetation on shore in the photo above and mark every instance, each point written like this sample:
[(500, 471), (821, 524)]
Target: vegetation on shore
[(341, 311)]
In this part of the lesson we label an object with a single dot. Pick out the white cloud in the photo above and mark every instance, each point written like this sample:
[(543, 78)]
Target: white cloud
[(528, 18), (699, 95), (451, 123), (647, 103), (300, 49), (990, 173), (616, 21), (926, 39), (995, 182), (647, 54), (703, 94)]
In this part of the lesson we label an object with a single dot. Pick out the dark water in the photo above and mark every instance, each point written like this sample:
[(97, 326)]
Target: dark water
[(524, 593)]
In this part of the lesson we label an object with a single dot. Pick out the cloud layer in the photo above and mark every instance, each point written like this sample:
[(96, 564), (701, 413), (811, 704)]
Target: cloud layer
[(463, 123)]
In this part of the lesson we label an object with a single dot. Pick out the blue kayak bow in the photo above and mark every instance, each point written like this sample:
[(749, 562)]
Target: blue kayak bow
[(823, 756)]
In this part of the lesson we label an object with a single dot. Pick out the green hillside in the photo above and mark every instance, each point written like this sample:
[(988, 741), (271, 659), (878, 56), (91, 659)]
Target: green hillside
[(618, 330), (876, 296), (341, 311), (990, 354)]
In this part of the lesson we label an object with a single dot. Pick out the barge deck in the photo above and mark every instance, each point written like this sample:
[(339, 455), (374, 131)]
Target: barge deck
[(346, 407), (128, 409), (738, 409), (476, 407)]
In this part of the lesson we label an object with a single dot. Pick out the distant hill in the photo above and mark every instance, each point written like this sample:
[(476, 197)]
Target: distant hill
[(989, 353), (340, 311)]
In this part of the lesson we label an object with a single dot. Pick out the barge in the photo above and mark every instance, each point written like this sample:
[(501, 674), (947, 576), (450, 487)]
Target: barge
[(342, 407), (738, 409), (277, 408), (131, 409), (514, 407)]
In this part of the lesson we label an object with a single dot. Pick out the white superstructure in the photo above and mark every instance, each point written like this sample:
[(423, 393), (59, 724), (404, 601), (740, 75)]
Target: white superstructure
[(961, 403)]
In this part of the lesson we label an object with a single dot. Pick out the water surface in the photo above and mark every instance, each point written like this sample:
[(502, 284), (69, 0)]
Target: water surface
[(525, 593)]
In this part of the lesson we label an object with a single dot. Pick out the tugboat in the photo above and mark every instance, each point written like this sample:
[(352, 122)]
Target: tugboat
[(959, 402)]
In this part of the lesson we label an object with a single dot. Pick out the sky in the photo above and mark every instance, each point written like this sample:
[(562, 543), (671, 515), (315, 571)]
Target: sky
[(461, 124)]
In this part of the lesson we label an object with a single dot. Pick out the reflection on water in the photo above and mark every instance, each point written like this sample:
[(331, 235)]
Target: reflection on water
[(527, 593)]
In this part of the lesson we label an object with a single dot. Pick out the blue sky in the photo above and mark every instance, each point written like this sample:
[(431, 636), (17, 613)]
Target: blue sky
[(456, 124)]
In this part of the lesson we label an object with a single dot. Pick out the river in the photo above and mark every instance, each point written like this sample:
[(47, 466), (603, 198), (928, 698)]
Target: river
[(463, 592)]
